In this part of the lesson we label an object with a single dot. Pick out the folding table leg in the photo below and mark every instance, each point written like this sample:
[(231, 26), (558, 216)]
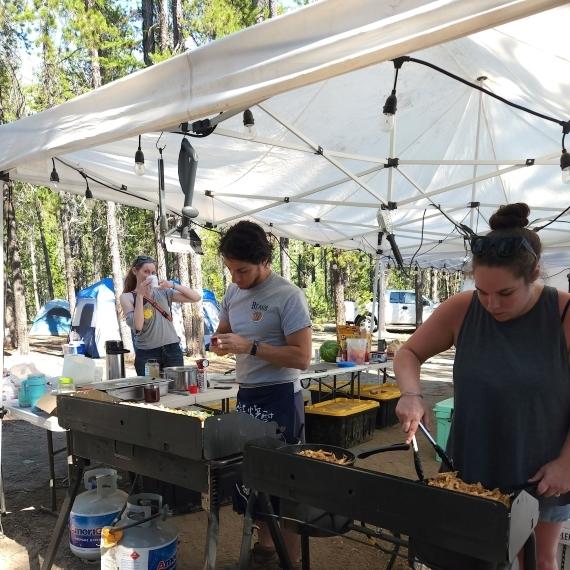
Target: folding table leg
[(74, 484), (51, 464)]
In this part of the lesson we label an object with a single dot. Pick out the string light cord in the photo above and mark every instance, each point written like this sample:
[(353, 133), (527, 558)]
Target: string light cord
[(564, 124), (537, 229)]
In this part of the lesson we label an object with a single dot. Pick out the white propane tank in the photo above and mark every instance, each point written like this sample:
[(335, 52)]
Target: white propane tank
[(150, 545), (92, 510)]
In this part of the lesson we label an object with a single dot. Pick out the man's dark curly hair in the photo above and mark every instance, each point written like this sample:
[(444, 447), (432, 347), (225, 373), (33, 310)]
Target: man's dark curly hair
[(246, 241)]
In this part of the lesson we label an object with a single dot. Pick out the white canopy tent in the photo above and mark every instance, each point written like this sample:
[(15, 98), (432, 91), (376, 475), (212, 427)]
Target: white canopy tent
[(316, 80)]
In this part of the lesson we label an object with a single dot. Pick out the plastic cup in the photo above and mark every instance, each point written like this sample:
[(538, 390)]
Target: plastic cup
[(356, 350), (154, 281)]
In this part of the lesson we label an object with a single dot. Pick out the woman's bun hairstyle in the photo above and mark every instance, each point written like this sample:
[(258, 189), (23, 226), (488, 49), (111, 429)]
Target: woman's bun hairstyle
[(510, 216)]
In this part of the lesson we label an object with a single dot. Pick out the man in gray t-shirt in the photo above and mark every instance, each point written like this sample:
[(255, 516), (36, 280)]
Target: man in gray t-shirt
[(265, 322)]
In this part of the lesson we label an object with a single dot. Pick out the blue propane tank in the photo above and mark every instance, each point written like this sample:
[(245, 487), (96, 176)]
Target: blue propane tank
[(151, 545), (100, 505)]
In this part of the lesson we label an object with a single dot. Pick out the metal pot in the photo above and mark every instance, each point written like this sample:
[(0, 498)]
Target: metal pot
[(182, 377)]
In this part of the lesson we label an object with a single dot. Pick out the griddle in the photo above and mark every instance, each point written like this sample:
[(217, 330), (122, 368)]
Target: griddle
[(443, 526), (171, 447)]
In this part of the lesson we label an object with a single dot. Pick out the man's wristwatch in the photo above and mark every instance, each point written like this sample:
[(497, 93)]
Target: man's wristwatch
[(254, 346)]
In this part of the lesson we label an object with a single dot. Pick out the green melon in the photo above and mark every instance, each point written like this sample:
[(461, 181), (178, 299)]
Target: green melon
[(329, 350)]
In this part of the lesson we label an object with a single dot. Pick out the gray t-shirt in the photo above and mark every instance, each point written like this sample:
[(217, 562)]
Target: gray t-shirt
[(268, 313), (157, 330)]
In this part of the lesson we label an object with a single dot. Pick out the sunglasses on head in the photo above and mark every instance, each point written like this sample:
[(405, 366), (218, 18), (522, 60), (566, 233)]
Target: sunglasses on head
[(502, 246), (142, 259)]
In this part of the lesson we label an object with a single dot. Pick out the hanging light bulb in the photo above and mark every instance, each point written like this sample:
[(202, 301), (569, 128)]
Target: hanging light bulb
[(89, 201), (248, 124), (139, 160), (565, 166), (54, 176), (389, 110)]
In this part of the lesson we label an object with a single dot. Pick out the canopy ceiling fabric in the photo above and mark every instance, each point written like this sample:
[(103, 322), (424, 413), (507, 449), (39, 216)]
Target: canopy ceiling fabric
[(316, 81)]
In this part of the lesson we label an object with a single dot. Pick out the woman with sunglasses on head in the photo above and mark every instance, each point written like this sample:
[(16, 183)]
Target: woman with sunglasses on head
[(147, 305), (511, 374)]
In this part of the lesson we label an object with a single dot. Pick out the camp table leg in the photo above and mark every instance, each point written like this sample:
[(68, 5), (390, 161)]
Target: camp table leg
[(74, 484), (212, 538)]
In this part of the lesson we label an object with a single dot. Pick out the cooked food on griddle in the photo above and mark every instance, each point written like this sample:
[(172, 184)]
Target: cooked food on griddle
[(452, 482), (323, 455), (202, 415)]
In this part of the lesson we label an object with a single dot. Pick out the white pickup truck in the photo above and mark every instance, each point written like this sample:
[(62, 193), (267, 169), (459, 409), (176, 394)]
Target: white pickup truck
[(399, 310)]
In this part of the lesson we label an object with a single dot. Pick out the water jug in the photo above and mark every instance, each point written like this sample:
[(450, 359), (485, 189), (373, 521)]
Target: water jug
[(115, 359), (31, 390), (100, 505)]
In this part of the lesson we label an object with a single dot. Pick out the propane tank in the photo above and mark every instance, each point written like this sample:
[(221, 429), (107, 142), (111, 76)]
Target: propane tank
[(97, 507), (150, 545)]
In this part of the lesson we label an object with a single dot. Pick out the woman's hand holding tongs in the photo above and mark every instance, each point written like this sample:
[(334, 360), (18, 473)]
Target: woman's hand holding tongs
[(411, 410)]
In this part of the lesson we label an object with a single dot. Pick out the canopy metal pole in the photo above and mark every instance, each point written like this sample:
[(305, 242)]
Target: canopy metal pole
[(477, 140)]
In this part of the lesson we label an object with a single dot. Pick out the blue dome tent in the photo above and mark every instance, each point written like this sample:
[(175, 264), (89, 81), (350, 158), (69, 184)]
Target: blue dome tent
[(53, 319), (95, 317)]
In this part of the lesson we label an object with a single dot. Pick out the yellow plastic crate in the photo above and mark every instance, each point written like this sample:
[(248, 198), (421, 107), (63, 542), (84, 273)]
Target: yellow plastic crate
[(343, 421)]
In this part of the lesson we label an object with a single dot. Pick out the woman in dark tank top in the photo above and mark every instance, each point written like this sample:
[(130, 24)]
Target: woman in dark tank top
[(511, 374)]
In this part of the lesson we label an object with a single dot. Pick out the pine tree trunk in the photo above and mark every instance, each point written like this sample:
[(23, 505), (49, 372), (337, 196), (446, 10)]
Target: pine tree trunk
[(9, 319), (337, 276), (67, 253), (176, 21), (196, 347), (163, 25), (97, 244), (13, 251), (435, 286), (113, 233), (183, 275), (284, 255), (148, 31), (45, 251), (34, 268)]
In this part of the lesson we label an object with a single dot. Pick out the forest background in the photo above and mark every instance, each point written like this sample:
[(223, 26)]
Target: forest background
[(56, 243)]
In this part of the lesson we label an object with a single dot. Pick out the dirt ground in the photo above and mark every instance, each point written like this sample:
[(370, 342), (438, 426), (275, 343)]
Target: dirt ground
[(27, 528)]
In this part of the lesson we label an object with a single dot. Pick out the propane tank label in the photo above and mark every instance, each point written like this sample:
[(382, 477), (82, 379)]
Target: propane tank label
[(129, 558), (85, 530)]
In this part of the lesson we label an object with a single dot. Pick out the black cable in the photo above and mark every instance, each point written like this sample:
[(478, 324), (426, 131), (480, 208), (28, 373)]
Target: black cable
[(555, 274), (551, 221), (564, 124)]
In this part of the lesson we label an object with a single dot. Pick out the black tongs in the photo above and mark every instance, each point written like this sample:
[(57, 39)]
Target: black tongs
[(417, 460), (438, 449)]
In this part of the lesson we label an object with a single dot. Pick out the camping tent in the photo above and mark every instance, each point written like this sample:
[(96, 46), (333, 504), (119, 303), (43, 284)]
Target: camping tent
[(52, 319), (317, 170), (95, 317)]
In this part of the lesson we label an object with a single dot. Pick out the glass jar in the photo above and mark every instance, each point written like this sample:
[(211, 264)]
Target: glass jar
[(152, 368), (65, 384), (152, 393)]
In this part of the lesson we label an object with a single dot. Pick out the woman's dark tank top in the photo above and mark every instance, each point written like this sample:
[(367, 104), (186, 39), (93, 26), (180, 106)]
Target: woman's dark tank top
[(512, 394)]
